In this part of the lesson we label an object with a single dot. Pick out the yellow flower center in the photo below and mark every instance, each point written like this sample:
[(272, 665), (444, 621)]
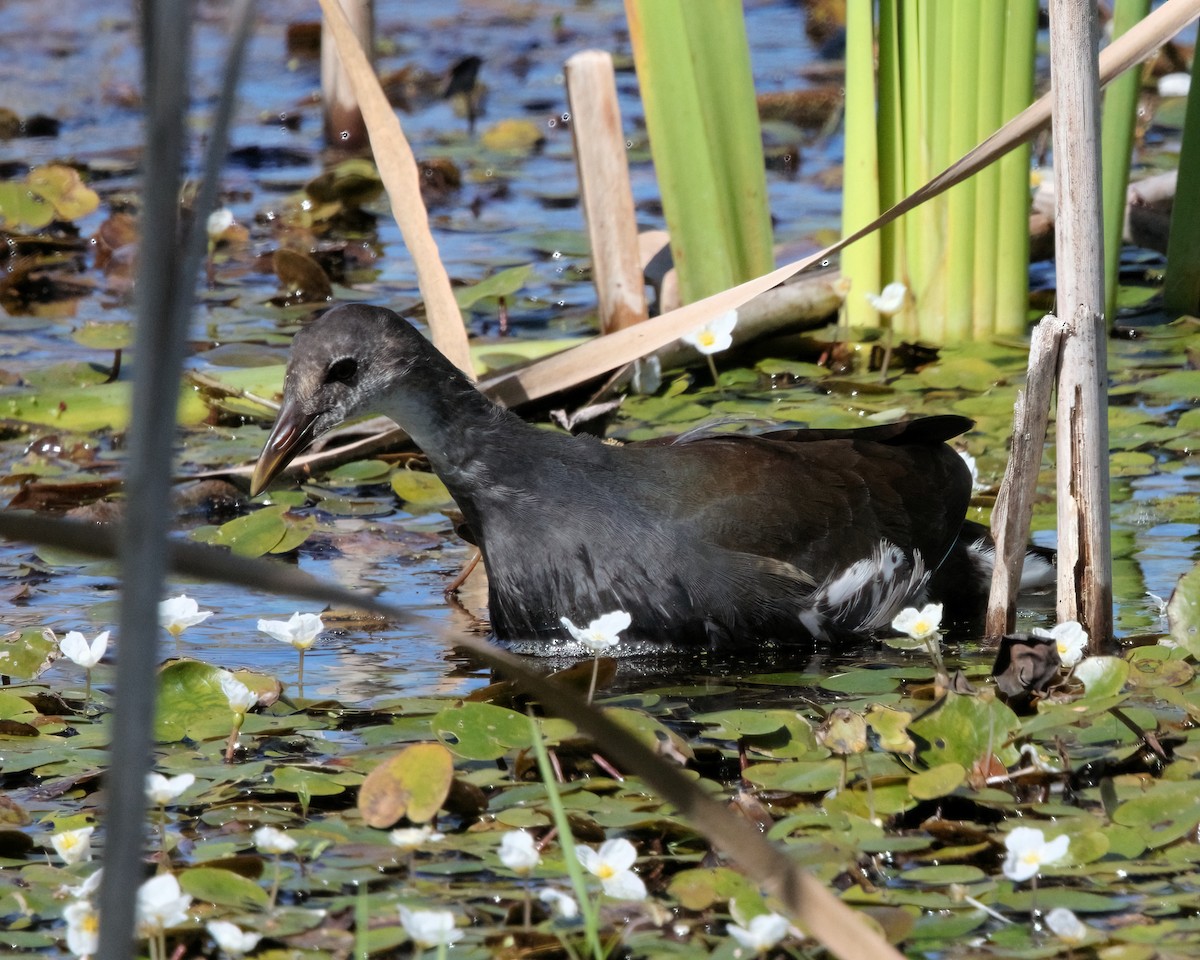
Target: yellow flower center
[(605, 871), (707, 338)]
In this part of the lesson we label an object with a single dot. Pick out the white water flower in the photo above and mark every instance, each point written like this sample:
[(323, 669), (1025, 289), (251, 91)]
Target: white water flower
[(218, 222), (1066, 926), (272, 840), (161, 905), (762, 933), (231, 938), (162, 790), (83, 928), (83, 890), (561, 903), (714, 336), (613, 864), (300, 630), (919, 624), (1029, 851), (519, 852), (74, 647), (602, 633), (74, 846), (890, 301), (973, 468), (429, 928), (1070, 638), (241, 698), (178, 613), (1174, 84), (412, 838)]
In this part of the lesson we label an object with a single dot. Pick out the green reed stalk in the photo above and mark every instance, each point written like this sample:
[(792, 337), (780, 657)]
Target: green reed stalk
[(963, 105), (891, 142), (725, 83), (1181, 289), (921, 225), (860, 172), (988, 118), (698, 92), (1117, 121), (566, 842), (947, 78), (1012, 214)]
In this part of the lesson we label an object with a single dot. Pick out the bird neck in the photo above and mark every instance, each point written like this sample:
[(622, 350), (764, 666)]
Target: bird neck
[(455, 425)]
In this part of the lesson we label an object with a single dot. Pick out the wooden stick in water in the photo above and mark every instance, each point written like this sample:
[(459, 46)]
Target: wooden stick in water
[(604, 189)]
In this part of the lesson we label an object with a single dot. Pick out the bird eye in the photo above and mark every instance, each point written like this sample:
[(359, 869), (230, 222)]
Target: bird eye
[(342, 371)]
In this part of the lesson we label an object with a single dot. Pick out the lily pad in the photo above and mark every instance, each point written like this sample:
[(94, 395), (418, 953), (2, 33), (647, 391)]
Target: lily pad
[(1183, 612), (421, 489), (502, 284), (938, 781), (962, 728), (481, 731), (413, 783), (27, 654), (223, 888)]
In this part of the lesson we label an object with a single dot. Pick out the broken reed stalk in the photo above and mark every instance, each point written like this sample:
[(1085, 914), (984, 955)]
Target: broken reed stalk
[(1014, 505), (402, 181), (604, 189), (344, 126), (1084, 551)]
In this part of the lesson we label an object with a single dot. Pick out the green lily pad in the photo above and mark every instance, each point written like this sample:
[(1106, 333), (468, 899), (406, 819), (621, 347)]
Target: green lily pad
[(962, 728), (268, 530), (843, 732), (741, 723), (1153, 668), (1183, 612), (104, 336), (1102, 677), (861, 682), (27, 654), (968, 373), (502, 284), (481, 731), (1178, 385), (798, 776), (223, 888), (705, 887), (420, 488), (944, 874), (891, 726), (938, 781), (191, 703), (413, 783)]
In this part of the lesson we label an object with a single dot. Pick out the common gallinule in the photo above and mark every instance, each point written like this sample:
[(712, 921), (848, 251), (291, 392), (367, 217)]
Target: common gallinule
[(714, 539)]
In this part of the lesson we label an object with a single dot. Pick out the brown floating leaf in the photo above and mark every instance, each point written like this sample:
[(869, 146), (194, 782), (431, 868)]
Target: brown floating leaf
[(844, 732), (398, 170), (302, 277), (415, 782), (1025, 668)]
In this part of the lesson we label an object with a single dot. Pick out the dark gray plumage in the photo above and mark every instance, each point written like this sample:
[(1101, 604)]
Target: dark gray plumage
[(719, 539)]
